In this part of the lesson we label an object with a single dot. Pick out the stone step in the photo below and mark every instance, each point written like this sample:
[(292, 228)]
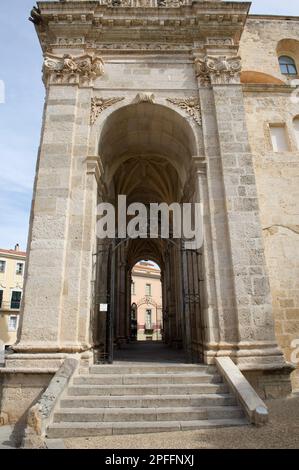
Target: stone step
[(75, 429), (148, 401), (149, 389), (144, 368), (144, 379), (146, 414)]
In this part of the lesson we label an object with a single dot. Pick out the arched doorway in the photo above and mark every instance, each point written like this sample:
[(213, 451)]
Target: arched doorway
[(146, 298), (146, 153)]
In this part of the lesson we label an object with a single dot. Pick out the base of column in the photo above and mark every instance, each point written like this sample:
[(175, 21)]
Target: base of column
[(51, 347), (248, 355), (262, 363)]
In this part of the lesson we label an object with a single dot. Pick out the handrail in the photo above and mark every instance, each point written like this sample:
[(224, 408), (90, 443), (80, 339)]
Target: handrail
[(253, 405)]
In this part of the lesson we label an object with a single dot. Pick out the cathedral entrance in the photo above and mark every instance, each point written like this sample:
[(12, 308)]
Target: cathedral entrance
[(146, 153)]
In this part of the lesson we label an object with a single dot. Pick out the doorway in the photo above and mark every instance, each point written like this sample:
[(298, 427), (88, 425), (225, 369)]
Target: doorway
[(146, 152)]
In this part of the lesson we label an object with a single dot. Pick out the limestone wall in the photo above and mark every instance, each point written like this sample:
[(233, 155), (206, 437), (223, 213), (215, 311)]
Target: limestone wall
[(277, 173), (261, 42)]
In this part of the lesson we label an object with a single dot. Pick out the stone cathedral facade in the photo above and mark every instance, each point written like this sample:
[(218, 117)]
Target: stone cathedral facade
[(164, 101)]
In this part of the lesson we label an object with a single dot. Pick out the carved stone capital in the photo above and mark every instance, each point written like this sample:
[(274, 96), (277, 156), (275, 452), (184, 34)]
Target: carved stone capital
[(67, 69), (98, 105), (218, 70), (94, 167), (200, 164), (190, 105)]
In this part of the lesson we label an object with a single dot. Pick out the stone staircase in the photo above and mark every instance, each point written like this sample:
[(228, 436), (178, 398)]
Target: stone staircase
[(142, 398)]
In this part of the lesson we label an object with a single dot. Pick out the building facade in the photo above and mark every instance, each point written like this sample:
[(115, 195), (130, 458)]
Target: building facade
[(12, 268), (165, 102), (146, 308)]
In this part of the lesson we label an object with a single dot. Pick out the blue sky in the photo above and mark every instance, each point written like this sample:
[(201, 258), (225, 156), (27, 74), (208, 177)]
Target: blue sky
[(20, 115)]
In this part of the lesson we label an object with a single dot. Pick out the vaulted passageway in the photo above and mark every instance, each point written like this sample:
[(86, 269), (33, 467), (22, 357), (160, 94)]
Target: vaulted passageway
[(146, 152)]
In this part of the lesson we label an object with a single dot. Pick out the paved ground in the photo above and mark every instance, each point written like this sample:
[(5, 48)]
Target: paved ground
[(148, 352), (281, 432), (6, 440)]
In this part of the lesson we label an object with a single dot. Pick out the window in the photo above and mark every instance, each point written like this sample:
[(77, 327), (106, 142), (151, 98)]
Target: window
[(148, 289), (287, 65), (12, 323), (148, 319), (1, 297), (279, 137), (133, 288), (2, 266), (15, 300), (19, 269), (296, 129)]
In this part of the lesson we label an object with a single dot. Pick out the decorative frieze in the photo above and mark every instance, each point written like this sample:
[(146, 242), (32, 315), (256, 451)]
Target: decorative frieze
[(68, 69), (99, 104), (145, 3), (218, 70), (64, 41), (156, 46), (219, 41), (190, 105)]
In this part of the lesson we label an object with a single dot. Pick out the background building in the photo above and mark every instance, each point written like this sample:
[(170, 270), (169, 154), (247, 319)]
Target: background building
[(147, 301), (12, 266)]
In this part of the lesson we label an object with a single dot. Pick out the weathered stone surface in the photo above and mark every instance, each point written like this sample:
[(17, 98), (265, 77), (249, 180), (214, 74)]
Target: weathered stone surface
[(40, 413), (188, 120), (254, 407)]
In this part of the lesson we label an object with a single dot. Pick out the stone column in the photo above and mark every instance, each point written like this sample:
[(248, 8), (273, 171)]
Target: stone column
[(249, 309), (209, 324), (56, 311)]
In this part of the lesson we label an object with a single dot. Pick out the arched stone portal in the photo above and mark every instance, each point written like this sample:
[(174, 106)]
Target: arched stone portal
[(158, 113), (146, 152)]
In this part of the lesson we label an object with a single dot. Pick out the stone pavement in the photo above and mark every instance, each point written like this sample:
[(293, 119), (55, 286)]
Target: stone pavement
[(148, 351), (6, 437)]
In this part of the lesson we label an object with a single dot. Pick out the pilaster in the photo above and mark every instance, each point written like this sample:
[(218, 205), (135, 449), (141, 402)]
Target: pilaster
[(246, 279)]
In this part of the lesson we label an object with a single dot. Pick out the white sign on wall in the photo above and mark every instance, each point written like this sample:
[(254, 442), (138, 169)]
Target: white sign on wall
[(103, 308)]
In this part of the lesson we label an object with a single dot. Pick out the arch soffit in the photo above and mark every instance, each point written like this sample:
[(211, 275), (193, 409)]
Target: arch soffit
[(99, 126)]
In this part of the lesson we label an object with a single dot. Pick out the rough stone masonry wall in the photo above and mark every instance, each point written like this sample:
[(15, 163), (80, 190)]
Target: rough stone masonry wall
[(277, 173), (277, 177), (260, 39)]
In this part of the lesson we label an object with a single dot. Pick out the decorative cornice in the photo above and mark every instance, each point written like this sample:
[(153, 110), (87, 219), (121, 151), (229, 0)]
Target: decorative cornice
[(35, 16), (190, 105), (176, 21), (218, 70), (98, 105), (68, 69)]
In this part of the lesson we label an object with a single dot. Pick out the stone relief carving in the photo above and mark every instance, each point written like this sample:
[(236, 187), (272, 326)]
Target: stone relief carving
[(69, 69), (218, 70), (220, 41), (99, 104), (69, 41), (144, 3), (144, 46), (145, 98), (190, 105)]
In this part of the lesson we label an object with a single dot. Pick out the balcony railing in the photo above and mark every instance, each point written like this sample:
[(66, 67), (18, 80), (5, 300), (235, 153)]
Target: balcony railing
[(12, 305)]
